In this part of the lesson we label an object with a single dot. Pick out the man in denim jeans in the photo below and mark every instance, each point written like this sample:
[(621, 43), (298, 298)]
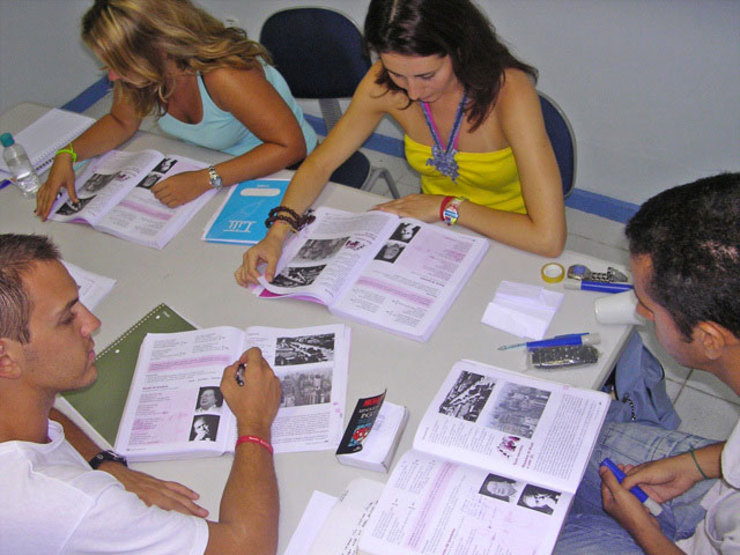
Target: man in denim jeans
[(685, 258)]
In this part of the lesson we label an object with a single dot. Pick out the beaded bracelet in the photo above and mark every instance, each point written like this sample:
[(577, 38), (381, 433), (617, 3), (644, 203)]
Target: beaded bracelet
[(279, 217), (69, 150), (295, 221), (254, 439), (693, 456)]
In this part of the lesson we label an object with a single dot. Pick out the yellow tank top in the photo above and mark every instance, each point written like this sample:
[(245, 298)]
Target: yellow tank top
[(487, 178)]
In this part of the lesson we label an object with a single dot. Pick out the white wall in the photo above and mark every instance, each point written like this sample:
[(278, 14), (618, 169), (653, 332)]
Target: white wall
[(651, 87)]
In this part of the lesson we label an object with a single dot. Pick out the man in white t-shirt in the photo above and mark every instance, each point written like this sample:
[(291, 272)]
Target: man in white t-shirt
[(685, 257), (53, 499)]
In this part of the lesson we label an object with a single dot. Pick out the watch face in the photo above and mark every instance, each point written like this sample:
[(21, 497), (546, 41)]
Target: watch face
[(215, 179)]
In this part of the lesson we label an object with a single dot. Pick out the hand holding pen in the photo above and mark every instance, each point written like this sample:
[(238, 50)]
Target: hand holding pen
[(652, 505)]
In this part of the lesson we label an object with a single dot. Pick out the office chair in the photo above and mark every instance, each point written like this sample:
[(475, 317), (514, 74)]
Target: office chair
[(320, 53), (563, 141)]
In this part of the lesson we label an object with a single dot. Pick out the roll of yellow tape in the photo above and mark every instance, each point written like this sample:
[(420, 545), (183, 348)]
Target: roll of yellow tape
[(552, 272)]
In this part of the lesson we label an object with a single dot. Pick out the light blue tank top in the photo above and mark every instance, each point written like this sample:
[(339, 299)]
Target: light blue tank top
[(220, 130)]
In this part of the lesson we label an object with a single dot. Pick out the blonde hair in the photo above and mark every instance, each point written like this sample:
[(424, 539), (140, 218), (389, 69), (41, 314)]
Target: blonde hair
[(134, 38)]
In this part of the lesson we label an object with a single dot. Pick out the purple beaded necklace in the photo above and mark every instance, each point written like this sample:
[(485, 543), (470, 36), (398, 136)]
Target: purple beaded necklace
[(443, 159)]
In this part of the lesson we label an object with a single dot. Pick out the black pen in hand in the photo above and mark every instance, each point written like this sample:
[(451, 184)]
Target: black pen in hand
[(240, 374)]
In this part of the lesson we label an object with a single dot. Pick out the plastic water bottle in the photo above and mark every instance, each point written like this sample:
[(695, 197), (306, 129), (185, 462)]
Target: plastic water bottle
[(20, 166)]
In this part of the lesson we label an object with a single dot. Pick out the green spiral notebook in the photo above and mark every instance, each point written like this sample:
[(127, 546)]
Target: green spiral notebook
[(102, 403)]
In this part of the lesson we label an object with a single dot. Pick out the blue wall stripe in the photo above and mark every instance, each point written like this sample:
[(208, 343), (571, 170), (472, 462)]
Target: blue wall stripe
[(586, 201), (601, 205), (89, 96)]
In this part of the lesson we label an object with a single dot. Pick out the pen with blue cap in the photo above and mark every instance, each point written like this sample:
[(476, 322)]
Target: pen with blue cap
[(584, 338), (652, 505), (601, 286)]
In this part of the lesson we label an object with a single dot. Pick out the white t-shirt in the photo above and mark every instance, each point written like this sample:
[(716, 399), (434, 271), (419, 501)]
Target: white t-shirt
[(53, 502), (719, 532)]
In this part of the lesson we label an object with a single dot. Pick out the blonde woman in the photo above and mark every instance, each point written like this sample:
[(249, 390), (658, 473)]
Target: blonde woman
[(473, 129), (206, 83)]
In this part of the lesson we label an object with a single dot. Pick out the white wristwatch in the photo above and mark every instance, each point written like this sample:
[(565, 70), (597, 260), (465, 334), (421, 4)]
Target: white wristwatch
[(214, 178)]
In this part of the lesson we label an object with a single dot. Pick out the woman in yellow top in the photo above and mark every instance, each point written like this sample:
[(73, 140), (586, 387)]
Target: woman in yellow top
[(443, 73)]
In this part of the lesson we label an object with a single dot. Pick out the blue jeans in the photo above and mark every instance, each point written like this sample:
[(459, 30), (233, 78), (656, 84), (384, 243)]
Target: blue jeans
[(589, 529)]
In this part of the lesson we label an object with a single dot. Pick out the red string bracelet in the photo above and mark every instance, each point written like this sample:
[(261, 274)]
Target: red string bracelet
[(445, 202), (254, 439)]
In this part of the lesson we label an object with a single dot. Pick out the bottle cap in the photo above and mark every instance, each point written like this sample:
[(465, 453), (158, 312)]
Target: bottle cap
[(7, 140)]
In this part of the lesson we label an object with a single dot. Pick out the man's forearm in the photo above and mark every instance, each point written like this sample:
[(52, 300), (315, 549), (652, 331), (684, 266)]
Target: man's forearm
[(250, 504)]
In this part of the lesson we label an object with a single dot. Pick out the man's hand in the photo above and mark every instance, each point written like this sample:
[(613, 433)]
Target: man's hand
[(633, 516), (181, 188), (663, 479), (256, 403), (170, 496)]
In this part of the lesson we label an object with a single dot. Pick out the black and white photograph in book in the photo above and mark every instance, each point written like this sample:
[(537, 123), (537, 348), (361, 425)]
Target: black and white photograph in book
[(518, 409), (320, 249), (501, 488), (468, 396), (205, 427), (389, 252), (298, 276), (165, 165), (307, 349), (405, 232), (306, 388), (210, 400), (539, 499)]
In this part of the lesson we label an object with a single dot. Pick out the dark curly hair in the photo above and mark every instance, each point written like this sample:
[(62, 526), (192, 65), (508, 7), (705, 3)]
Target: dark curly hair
[(692, 235), (445, 27)]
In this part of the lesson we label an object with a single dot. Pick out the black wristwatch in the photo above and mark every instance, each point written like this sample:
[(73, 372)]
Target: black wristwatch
[(103, 456)]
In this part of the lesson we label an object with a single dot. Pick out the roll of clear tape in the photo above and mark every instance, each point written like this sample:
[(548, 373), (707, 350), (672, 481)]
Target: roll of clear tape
[(552, 272)]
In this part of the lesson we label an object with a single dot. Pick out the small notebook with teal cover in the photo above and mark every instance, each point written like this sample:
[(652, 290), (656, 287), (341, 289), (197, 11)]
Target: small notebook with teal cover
[(102, 403), (241, 218)]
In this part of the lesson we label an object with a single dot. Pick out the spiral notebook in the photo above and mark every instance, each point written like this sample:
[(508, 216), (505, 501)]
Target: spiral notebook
[(52, 131), (102, 403)]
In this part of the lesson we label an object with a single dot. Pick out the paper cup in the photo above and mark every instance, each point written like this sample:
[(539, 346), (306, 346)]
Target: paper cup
[(620, 308)]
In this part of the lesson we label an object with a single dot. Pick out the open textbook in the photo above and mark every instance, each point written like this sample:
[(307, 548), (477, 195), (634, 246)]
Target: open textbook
[(496, 461), (397, 274), (115, 197), (175, 408)]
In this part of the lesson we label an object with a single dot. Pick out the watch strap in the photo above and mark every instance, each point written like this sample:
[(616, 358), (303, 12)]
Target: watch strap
[(107, 455)]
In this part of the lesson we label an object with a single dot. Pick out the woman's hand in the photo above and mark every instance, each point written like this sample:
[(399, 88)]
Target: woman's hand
[(61, 174), (419, 206), (267, 252), (182, 188)]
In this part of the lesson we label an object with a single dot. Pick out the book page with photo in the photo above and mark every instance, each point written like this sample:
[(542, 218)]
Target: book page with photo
[(397, 274), (496, 455), (175, 408), (115, 197)]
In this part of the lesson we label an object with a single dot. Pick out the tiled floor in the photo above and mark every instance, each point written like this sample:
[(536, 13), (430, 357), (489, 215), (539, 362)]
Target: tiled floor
[(706, 406)]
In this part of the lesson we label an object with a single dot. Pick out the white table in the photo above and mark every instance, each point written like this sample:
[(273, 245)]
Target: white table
[(196, 279)]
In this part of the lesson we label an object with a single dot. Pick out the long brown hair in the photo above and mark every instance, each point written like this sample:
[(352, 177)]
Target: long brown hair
[(134, 38), (455, 28)]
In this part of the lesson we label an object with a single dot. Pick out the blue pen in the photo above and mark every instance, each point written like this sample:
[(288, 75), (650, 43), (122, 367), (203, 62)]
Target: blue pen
[(4, 183), (567, 339), (601, 286), (637, 491)]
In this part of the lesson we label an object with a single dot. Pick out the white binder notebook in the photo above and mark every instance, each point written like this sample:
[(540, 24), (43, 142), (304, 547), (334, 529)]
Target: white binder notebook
[(52, 131)]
